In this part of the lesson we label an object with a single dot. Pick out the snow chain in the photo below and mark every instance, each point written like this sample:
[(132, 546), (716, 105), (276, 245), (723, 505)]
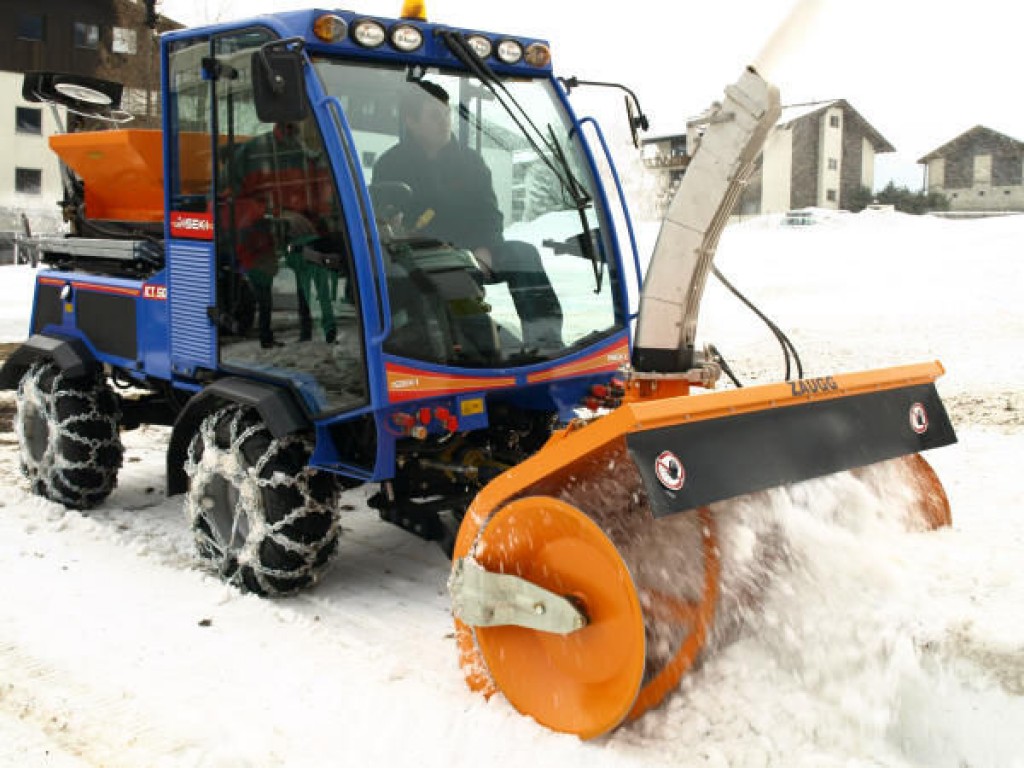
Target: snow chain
[(75, 462), (250, 512)]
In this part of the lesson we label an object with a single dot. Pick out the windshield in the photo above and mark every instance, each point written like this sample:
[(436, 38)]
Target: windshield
[(491, 258)]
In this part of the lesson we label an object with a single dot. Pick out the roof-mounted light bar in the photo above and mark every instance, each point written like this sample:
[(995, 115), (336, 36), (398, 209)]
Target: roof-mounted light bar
[(406, 37)]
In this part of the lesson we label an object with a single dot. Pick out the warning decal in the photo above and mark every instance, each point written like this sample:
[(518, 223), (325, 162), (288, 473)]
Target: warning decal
[(918, 418), (669, 470)]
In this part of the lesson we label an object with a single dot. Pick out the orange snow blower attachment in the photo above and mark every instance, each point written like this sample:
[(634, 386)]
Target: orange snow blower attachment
[(585, 579)]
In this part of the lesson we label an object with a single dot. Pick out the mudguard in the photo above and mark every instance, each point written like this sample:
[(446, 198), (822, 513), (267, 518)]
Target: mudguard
[(71, 355), (277, 406)]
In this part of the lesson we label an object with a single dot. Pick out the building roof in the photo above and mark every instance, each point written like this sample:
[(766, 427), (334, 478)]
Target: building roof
[(794, 112), (968, 137)]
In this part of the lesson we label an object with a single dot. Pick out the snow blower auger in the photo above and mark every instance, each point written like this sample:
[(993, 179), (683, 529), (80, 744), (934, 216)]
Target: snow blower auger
[(585, 579)]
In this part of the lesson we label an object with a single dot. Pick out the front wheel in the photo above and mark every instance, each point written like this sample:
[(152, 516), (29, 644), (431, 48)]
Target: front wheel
[(260, 516), (68, 435)]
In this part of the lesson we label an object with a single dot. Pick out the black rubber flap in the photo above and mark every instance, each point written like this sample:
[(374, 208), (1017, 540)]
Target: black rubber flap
[(690, 465)]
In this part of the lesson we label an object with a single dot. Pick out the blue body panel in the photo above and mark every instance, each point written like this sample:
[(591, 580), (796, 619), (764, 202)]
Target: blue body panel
[(149, 315), (177, 339)]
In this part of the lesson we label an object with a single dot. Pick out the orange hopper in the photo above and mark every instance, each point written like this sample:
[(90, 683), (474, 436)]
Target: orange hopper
[(123, 170)]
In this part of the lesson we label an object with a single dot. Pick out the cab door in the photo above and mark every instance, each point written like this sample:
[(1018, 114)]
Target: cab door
[(285, 305)]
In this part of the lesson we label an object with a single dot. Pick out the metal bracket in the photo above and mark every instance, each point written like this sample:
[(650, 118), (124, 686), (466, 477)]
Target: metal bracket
[(481, 598)]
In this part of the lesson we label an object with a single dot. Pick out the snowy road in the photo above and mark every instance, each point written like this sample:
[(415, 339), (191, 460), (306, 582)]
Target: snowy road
[(871, 646)]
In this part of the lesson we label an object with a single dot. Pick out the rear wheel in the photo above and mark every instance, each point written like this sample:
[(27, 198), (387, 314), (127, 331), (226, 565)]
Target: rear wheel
[(261, 518), (68, 435)]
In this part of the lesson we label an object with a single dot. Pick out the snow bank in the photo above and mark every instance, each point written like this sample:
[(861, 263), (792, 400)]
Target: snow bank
[(846, 641)]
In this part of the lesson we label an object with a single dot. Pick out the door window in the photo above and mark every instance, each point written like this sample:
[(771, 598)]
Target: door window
[(287, 304)]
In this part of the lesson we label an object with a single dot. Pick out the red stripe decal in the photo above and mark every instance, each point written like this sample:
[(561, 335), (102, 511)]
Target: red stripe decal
[(605, 360)]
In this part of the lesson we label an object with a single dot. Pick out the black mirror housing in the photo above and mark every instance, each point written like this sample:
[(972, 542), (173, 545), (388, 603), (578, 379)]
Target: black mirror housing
[(278, 84)]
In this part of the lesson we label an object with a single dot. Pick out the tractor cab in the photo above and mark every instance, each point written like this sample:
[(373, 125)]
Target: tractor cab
[(398, 211)]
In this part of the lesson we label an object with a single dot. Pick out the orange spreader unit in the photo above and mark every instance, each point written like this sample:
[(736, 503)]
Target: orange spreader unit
[(123, 172)]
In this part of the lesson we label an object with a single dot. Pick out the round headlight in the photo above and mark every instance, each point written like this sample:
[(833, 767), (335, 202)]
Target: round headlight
[(481, 45), (538, 55), (330, 28), (406, 37), (369, 33), (510, 52)]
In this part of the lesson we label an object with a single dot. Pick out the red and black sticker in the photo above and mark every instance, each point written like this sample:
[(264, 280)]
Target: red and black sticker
[(918, 418), (197, 226), (669, 470)]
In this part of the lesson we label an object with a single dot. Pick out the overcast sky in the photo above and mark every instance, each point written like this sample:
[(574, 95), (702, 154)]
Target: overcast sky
[(920, 71)]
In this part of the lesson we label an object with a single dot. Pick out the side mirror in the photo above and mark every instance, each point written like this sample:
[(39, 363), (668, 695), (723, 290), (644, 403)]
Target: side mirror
[(278, 83), (637, 119), (633, 125)]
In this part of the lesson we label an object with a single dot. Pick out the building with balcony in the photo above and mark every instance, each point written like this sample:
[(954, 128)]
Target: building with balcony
[(665, 159), (817, 155)]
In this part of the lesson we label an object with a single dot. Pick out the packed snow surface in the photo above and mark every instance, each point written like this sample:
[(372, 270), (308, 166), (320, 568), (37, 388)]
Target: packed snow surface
[(862, 644)]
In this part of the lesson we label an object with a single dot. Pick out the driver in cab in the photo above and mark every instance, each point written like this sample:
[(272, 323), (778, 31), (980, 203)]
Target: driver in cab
[(453, 200)]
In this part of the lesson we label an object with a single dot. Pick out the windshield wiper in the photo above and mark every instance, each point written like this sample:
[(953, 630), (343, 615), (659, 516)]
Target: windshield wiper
[(553, 158), (578, 193), (555, 154)]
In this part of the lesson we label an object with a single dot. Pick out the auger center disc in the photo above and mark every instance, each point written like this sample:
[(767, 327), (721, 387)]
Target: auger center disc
[(584, 682)]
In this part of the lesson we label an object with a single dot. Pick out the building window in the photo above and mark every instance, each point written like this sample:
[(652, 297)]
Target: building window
[(833, 164), (31, 26), (981, 193), (87, 35), (133, 101), (830, 195), (28, 181), (833, 120), (28, 120), (125, 41)]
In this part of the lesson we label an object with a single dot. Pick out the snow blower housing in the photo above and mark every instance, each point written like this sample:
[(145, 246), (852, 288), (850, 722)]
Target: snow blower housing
[(380, 251)]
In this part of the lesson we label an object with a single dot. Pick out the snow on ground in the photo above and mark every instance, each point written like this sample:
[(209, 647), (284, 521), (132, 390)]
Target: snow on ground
[(867, 646)]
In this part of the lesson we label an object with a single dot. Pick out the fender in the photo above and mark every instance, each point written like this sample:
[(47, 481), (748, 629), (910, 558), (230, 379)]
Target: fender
[(71, 355), (277, 406)]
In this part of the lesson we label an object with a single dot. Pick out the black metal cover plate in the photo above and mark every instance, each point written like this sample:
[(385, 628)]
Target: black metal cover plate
[(689, 465)]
